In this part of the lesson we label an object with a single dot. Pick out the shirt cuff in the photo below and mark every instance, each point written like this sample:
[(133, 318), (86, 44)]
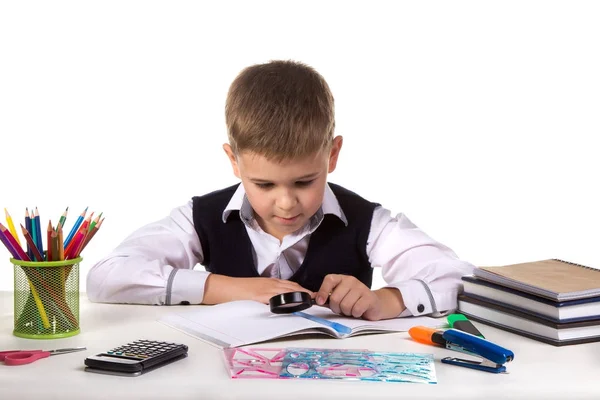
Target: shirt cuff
[(185, 286), (419, 300)]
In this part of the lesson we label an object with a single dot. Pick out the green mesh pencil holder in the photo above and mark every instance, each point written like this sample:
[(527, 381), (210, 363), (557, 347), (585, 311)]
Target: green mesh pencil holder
[(46, 299)]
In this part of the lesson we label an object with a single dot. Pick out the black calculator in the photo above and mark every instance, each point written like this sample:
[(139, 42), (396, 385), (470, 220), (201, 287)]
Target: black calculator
[(136, 358)]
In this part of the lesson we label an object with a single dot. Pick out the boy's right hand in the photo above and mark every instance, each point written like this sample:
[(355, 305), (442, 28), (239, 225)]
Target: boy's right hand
[(221, 289)]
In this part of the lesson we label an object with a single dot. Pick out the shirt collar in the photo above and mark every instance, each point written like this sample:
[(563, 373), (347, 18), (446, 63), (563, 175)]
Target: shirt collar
[(239, 202)]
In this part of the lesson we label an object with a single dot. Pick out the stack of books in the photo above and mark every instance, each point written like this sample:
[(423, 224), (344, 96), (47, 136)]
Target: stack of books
[(553, 301)]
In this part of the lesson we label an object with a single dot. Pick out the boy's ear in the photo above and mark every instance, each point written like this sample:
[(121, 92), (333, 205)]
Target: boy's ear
[(336, 146), (232, 159)]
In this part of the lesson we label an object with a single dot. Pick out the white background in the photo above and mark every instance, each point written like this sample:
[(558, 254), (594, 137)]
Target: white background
[(479, 120)]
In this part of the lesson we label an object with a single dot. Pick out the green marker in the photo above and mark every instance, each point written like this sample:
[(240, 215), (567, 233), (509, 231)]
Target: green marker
[(461, 323)]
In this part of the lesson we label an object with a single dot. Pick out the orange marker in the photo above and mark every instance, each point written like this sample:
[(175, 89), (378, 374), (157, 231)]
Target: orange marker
[(423, 334)]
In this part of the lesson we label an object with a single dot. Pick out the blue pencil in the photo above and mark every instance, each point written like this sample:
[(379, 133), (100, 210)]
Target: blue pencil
[(75, 228), (38, 228), (34, 232), (28, 227)]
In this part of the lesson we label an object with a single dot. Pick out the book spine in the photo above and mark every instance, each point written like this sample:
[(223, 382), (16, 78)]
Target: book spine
[(577, 265)]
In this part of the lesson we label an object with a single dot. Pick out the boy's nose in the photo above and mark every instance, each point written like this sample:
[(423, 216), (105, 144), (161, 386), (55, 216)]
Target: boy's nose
[(287, 201)]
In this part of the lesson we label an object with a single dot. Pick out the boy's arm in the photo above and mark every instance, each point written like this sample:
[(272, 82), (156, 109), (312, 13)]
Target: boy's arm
[(154, 265), (426, 272)]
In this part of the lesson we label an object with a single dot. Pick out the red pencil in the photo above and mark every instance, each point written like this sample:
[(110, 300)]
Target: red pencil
[(91, 235), (14, 243), (71, 249), (49, 255), (36, 253)]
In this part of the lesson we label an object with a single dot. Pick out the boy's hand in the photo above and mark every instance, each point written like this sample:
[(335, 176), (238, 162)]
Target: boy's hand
[(221, 289), (349, 296)]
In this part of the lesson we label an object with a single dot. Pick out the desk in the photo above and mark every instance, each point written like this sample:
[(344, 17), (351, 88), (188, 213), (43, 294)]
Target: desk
[(539, 371)]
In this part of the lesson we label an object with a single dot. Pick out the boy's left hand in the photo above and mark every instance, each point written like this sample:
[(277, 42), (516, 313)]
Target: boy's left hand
[(349, 296)]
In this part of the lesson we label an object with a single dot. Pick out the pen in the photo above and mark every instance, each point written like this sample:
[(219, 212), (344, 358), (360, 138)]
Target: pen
[(427, 335), (460, 322)]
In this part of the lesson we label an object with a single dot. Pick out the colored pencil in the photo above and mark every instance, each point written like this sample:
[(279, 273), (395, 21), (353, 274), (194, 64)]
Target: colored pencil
[(28, 227), (49, 230), (11, 226), (33, 273), (61, 248), (53, 243), (75, 227), (91, 235), (38, 256), (63, 218), (9, 246), (83, 230), (33, 233), (74, 245), (77, 250), (39, 304), (34, 293), (22, 255), (94, 222), (38, 227)]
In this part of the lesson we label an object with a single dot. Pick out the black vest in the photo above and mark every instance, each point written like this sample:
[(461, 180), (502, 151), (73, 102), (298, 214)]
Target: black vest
[(334, 248)]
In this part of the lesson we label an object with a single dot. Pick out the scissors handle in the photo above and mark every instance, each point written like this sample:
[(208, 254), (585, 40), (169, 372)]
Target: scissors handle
[(3, 354), (25, 357)]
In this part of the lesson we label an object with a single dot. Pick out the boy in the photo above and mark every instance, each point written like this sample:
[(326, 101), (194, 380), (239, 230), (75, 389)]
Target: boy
[(284, 228)]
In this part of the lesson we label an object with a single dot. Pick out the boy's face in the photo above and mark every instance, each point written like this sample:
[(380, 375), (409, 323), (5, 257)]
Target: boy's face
[(284, 195)]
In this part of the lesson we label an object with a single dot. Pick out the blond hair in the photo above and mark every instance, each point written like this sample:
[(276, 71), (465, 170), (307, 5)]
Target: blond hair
[(280, 110)]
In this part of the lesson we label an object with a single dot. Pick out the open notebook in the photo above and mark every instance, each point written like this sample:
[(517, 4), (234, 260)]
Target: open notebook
[(557, 280), (240, 323)]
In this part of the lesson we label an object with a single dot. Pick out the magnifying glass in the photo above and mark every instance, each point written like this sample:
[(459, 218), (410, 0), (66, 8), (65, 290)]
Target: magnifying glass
[(295, 303), (291, 302)]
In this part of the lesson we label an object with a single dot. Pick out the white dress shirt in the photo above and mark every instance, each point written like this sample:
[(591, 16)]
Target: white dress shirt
[(155, 264)]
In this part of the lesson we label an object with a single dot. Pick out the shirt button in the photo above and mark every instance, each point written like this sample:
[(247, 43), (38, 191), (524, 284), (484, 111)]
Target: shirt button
[(420, 308)]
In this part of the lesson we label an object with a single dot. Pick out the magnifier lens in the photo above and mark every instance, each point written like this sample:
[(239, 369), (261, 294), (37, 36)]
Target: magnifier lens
[(286, 303)]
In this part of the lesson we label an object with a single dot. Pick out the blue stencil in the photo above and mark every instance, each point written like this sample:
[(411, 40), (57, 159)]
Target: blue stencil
[(306, 363)]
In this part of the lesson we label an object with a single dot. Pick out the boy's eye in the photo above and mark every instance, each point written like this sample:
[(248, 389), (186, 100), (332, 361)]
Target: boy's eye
[(264, 185), (304, 183)]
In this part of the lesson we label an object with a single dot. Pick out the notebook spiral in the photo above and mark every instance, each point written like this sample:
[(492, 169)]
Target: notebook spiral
[(577, 265)]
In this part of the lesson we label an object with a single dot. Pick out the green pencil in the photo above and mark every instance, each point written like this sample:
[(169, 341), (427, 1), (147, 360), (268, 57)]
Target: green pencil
[(63, 218), (94, 222)]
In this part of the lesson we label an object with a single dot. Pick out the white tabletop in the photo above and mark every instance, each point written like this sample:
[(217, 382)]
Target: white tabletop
[(538, 371)]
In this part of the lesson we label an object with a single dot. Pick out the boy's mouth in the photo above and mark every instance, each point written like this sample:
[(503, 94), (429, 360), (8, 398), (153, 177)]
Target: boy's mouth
[(287, 221)]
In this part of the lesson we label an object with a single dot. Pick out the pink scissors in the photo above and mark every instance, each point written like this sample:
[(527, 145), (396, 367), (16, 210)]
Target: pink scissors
[(21, 357)]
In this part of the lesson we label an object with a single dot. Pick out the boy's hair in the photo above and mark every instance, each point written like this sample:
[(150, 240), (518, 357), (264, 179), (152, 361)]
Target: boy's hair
[(281, 110)]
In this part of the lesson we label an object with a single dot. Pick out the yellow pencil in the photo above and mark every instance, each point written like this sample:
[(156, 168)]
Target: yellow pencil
[(11, 227), (40, 305)]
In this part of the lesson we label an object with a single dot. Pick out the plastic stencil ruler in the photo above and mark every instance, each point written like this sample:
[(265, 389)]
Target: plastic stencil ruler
[(306, 363)]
